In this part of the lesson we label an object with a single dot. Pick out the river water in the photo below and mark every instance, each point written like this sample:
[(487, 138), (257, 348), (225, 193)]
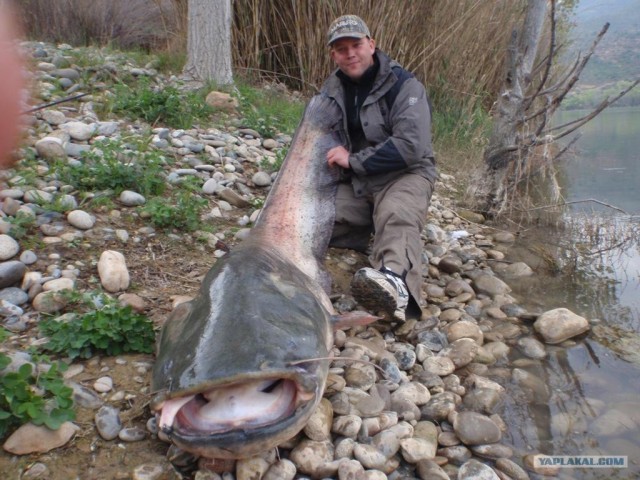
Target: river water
[(593, 403)]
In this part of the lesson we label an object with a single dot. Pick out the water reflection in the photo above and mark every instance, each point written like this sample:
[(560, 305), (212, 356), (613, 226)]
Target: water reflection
[(606, 164), (591, 266)]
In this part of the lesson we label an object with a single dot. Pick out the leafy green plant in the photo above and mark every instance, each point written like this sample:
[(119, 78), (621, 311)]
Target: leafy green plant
[(41, 398), (112, 165), (181, 211), (109, 328), (156, 105)]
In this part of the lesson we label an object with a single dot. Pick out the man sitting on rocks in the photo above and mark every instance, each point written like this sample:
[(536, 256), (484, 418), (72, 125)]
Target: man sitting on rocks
[(387, 168)]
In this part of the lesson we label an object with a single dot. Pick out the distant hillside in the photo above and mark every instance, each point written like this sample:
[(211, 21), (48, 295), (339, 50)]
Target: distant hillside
[(618, 54)]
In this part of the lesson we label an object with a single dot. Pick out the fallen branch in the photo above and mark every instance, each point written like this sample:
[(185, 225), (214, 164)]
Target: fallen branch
[(564, 204), (55, 102)]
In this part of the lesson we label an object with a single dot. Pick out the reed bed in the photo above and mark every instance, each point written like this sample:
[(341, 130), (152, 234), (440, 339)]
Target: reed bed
[(456, 47)]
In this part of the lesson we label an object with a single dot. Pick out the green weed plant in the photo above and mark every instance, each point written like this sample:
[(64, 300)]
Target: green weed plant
[(181, 211), (23, 225), (113, 165), (42, 398), (160, 105), (110, 329)]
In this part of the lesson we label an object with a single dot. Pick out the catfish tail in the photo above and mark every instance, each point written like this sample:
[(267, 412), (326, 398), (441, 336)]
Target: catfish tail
[(299, 212)]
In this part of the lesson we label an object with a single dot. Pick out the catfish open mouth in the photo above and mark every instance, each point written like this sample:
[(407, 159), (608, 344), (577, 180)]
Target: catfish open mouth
[(246, 405)]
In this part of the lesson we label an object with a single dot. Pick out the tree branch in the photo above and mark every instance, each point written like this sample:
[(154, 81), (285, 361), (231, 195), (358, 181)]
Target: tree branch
[(572, 81), (604, 104), (567, 147)]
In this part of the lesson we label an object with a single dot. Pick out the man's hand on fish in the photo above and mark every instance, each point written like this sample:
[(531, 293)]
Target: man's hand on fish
[(338, 156)]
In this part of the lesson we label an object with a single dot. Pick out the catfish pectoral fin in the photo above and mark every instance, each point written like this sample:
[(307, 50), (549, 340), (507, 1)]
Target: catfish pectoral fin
[(352, 319)]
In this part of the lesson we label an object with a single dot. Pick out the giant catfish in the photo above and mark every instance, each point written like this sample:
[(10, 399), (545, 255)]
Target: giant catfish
[(241, 368)]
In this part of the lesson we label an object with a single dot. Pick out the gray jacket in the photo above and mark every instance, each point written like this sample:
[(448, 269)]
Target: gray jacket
[(399, 139)]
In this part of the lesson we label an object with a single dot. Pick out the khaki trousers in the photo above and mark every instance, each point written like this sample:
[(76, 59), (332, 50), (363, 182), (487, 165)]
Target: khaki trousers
[(395, 216)]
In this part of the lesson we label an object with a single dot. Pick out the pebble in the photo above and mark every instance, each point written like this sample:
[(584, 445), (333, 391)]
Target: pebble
[(413, 392), (350, 470), (132, 434), (440, 366), (369, 456), (50, 149), (28, 257), (37, 470), (430, 470), (560, 324), (456, 455), (84, 397), (81, 219), (8, 247), (347, 425), (475, 470), (113, 271), (318, 427), (310, 456), (281, 470), (512, 469), (14, 295), (107, 420), (31, 438), (131, 199), (58, 284), (473, 428), (103, 384), (439, 407), (261, 179)]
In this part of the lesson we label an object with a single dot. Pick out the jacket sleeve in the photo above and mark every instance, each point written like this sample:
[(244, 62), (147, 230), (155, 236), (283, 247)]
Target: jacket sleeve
[(410, 139)]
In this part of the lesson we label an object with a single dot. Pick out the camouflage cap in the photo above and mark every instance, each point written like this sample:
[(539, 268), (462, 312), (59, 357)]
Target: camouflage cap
[(347, 26)]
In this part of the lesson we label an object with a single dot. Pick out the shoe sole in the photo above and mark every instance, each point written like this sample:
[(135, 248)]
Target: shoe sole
[(375, 297)]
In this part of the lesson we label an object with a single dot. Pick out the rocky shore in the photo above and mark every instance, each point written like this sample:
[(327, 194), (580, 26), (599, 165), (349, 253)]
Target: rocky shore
[(415, 400)]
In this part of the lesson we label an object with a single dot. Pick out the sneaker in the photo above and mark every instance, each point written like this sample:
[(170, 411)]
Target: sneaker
[(378, 291)]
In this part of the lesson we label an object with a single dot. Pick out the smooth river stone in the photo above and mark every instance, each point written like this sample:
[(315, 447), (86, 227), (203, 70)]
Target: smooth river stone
[(560, 324), (476, 429)]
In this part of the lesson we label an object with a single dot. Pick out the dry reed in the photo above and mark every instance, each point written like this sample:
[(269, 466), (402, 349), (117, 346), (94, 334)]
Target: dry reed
[(456, 47), (127, 24)]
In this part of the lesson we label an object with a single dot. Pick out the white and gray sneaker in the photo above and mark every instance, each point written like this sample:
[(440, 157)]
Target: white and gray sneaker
[(380, 291)]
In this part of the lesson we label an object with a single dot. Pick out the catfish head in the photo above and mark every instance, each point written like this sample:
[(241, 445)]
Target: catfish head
[(230, 373)]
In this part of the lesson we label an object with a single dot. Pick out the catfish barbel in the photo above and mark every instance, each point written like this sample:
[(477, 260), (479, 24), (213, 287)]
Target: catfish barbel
[(242, 367)]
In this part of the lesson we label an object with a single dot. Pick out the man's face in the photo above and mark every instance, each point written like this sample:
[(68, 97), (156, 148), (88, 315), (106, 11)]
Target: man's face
[(353, 55)]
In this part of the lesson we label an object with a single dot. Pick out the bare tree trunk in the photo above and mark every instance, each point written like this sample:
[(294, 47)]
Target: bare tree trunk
[(510, 108), (209, 41), (524, 110)]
